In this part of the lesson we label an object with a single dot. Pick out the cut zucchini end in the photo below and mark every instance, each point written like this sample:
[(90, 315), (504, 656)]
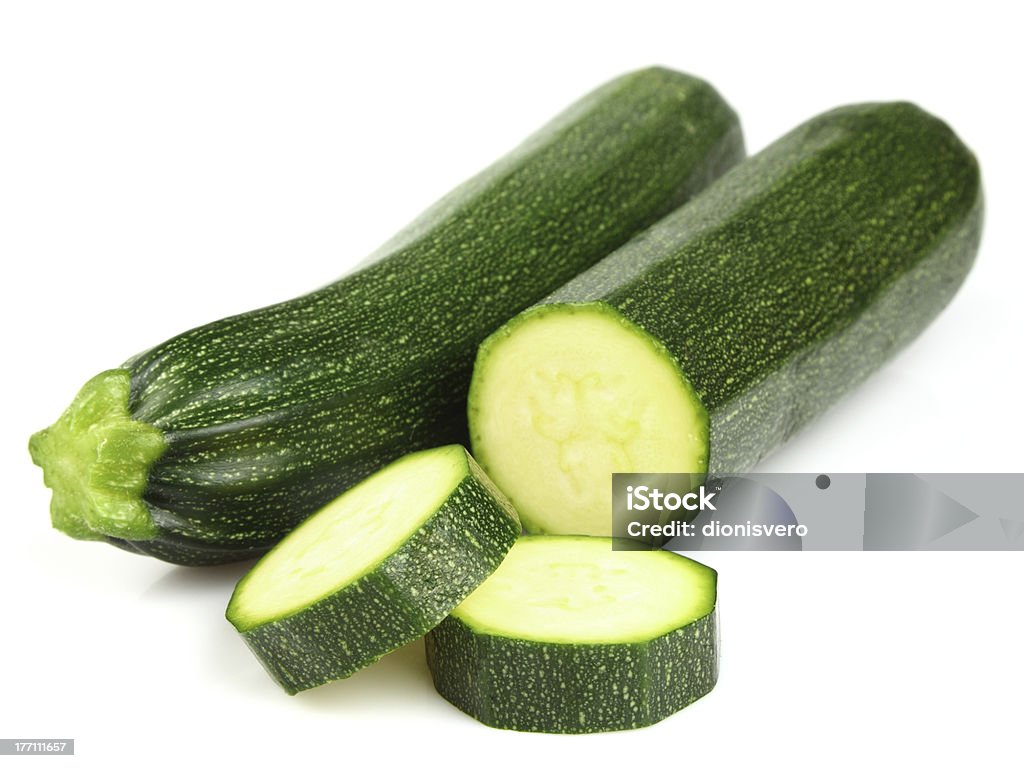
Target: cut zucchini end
[(566, 394), (96, 459), (347, 538)]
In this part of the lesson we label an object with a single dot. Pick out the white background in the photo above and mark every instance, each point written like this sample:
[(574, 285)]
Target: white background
[(162, 165)]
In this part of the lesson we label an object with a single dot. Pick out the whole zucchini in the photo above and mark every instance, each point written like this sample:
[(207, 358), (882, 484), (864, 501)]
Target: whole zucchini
[(715, 335), (211, 446)]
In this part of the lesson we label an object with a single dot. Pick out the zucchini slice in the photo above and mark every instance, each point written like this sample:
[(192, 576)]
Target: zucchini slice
[(714, 336), (374, 569), (568, 636)]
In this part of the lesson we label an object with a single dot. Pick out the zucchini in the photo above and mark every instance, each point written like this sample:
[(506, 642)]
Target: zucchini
[(374, 569), (568, 636), (714, 336), (211, 446)]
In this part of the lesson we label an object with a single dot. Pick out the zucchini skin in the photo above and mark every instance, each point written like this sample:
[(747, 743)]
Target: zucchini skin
[(524, 685), (268, 415), (403, 598), (800, 271)]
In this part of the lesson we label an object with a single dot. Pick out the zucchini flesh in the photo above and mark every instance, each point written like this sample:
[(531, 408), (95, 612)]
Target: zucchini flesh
[(209, 447), (569, 636), (374, 569), (713, 337), (570, 395)]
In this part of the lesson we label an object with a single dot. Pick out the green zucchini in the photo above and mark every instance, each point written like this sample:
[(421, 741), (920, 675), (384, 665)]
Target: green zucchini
[(374, 569), (211, 446), (568, 636), (714, 336)]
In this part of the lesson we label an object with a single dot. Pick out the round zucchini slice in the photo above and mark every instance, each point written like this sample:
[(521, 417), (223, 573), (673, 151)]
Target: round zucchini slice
[(569, 636), (374, 569)]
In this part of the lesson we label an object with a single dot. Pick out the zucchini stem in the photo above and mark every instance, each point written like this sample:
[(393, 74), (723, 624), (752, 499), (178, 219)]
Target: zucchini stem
[(96, 459)]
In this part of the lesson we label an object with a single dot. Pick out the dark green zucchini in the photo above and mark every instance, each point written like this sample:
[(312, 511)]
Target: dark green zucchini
[(209, 447), (715, 335), (569, 636), (374, 569)]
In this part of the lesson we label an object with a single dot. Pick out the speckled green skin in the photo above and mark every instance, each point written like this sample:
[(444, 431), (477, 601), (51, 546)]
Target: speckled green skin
[(401, 599), (799, 272), (269, 414), (524, 685)]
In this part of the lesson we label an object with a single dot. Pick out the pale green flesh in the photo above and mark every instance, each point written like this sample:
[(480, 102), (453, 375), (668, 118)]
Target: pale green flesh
[(568, 395), (576, 589), (348, 537)]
